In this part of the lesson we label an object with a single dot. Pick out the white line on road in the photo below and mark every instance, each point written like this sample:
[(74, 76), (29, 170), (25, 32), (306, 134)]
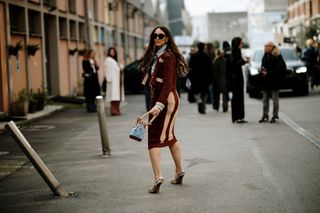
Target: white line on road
[(310, 137)]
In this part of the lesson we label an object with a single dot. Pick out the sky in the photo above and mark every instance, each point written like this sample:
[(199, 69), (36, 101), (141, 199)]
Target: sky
[(201, 7)]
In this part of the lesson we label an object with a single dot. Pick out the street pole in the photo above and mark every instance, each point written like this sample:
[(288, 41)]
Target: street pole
[(106, 151), (36, 161)]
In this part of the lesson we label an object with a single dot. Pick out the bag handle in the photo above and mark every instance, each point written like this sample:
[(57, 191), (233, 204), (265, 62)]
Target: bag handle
[(140, 120)]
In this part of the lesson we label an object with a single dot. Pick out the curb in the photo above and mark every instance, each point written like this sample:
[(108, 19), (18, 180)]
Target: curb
[(46, 112)]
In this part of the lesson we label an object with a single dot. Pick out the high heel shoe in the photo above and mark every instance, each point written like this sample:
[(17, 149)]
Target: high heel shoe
[(178, 178), (156, 187)]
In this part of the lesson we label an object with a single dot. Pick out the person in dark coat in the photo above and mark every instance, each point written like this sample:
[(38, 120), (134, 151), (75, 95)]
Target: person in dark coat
[(211, 51), (273, 70), (227, 56), (219, 79), (91, 87), (237, 81), (309, 56), (200, 76)]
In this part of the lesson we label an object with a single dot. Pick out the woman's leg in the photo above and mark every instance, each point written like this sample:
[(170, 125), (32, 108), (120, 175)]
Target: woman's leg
[(275, 99), (176, 155), (155, 157), (118, 107)]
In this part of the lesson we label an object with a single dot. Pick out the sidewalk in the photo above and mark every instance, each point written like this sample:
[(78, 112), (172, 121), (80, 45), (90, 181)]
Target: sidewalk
[(229, 167), (47, 111)]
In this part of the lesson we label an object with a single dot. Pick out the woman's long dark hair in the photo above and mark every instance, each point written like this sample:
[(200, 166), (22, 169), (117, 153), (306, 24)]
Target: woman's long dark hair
[(181, 65), (235, 50), (115, 57)]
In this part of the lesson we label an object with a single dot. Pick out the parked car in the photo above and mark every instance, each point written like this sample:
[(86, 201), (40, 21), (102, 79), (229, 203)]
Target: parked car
[(296, 79), (133, 78)]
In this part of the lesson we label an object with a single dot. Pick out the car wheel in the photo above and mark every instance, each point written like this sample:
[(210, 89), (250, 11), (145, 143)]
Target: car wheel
[(303, 91)]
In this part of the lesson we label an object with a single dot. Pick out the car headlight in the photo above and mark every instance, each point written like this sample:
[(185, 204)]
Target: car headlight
[(254, 71), (301, 70)]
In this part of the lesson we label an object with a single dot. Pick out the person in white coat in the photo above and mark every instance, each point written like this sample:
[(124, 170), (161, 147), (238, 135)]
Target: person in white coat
[(113, 76)]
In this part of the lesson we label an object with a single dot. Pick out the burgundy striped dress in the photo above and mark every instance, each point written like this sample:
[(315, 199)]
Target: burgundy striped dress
[(163, 89)]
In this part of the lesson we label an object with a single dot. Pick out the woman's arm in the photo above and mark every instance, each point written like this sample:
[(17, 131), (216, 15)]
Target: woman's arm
[(108, 70), (168, 78)]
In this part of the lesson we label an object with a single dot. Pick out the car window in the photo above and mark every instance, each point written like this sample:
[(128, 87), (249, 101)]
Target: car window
[(287, 54), (257, 56)]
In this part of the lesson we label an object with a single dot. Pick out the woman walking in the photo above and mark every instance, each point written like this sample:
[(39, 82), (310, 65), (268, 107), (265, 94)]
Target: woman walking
[(237, 102), (91, 87), (162, 63), (113, 78)]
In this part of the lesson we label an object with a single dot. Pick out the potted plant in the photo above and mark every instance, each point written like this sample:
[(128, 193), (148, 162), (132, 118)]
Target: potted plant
[(41, 97), (33, 105), (72, 51), (13, 50), (20, 106), (32, 49)]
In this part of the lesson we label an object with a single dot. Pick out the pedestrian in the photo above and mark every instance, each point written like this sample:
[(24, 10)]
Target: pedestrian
[(191, 97), (210, 50), (200, 76), (163, 63), (237, 81), (227, 56), (91, 87), (114, 90), (309, 56), (219, 81), (273, 70)]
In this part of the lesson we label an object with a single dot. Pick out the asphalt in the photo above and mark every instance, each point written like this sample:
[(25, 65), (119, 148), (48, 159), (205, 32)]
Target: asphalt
[(229, 167)]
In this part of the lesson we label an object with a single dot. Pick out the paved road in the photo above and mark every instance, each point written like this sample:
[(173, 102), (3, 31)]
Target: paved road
[(229, 167)]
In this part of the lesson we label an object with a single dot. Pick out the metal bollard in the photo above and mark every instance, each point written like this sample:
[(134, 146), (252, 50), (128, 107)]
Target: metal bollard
[(36, 161), (106, 151)]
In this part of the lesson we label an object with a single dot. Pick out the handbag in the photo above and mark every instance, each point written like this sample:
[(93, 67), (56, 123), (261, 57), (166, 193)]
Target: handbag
[(138, 130)]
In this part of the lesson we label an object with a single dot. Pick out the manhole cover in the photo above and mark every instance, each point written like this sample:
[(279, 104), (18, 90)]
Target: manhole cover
[(39, 127)]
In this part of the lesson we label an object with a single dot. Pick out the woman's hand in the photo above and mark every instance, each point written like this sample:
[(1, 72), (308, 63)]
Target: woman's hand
[(155, 111)]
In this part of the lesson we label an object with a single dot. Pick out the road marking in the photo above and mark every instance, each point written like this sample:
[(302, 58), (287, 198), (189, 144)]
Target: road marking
[(310, 137)]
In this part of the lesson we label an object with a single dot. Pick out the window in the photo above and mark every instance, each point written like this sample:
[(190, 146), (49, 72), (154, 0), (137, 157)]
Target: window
[(73, 30), (96, 34), (63, 28), (82, 36), (102, 35), (72, 6), (34, 22), (17, 19)]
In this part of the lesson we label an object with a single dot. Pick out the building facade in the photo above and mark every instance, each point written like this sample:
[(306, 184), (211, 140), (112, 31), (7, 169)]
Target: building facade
[(62, 30), (225, 26), (179, 18), (300, 14), (263, 15)]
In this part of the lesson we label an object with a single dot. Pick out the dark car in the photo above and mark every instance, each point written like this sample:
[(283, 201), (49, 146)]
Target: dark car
[(133, 78), (296, 79)]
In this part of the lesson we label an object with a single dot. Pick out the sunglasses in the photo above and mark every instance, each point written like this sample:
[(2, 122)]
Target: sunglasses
[(158, 36)]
